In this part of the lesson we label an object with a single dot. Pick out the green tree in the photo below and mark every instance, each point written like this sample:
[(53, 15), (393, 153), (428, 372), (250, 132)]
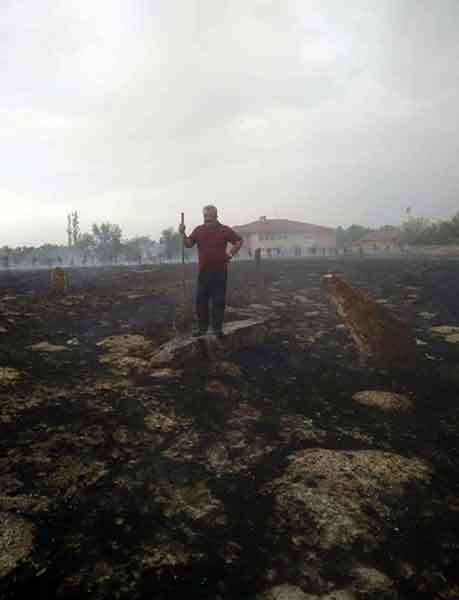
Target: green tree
[(86, 242), (108, 241), (75, 228), (133, 249), (345, 237), (5, 256), (69, 230), (356, 232), (414, 229), (172, 241)]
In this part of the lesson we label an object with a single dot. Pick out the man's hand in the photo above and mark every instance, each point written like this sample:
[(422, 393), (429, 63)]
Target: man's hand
[(182, 229), (234, 250)]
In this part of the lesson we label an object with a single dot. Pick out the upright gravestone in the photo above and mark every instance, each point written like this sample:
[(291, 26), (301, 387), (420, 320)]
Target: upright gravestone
[(380, 336), (59, 281)]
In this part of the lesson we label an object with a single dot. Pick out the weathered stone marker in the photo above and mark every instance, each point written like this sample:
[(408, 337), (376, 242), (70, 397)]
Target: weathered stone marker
[(380, 336), (238, 335), (59, 281)]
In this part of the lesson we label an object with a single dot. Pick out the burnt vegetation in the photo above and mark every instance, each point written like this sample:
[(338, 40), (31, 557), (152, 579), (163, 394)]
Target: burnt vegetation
[(279, 473)]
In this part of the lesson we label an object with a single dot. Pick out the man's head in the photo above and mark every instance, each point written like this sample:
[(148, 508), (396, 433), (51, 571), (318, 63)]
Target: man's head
[(210, 214)]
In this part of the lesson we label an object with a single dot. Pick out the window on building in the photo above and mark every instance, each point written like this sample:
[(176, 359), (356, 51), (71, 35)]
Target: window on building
[(260, 237)]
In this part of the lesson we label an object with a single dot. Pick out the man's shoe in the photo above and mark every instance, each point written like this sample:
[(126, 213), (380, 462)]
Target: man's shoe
[(219, 334)]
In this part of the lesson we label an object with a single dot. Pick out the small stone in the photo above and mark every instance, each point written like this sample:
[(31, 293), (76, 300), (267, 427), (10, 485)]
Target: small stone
[(165, 373), (47, 347), (384, 400), (445, 329)]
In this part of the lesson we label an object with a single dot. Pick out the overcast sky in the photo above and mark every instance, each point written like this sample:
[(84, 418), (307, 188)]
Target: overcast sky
[(325, 111)]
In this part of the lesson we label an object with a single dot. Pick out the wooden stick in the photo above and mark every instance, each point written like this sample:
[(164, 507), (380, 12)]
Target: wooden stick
[(183, 268), (183, 243)]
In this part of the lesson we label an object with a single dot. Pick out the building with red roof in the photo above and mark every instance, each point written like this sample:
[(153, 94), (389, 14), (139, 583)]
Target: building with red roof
[(379, 242), (283, 237)]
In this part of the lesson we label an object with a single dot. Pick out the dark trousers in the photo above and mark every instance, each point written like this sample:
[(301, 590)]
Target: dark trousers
[(211, 286)]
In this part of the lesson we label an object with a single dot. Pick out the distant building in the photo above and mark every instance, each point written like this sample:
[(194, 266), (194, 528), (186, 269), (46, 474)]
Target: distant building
[(285, 238), (379, 242)]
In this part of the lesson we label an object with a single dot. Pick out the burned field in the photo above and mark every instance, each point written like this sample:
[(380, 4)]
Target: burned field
[(289, 470)]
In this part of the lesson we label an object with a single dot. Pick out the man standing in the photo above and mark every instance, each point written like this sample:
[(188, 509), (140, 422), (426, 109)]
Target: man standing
[(212, 239)]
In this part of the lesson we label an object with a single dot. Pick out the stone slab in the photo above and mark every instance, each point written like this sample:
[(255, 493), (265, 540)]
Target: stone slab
[(238, 334)]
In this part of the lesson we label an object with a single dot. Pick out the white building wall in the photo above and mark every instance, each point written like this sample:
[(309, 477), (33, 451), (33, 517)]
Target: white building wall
[(291, 244)]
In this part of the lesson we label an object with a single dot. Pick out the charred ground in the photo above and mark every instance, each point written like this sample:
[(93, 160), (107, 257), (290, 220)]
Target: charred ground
[(251, 478)]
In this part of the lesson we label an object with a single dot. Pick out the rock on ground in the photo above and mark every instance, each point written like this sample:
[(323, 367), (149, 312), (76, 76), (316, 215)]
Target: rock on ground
[(47, 347), (238, 335), (291, 592), (383, 400)]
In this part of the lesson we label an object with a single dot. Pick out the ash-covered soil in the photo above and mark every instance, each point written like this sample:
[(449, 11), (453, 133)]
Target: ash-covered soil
[(290, 471)]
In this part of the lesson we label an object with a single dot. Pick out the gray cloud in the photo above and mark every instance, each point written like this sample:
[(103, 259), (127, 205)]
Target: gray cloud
[(325, 111)]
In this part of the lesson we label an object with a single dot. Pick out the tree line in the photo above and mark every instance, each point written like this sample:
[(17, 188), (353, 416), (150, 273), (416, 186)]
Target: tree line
[(423, 232), (103, 244), (414, 231)]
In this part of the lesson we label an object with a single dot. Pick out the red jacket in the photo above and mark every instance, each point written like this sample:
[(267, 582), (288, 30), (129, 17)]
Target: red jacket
[(212, 241)]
